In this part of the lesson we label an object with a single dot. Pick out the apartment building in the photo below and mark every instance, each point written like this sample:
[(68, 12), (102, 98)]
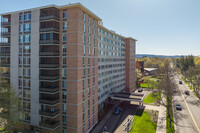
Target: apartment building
[(63, 64)]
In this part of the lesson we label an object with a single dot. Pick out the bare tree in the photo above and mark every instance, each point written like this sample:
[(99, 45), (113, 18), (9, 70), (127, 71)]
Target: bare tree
[(166, 87)]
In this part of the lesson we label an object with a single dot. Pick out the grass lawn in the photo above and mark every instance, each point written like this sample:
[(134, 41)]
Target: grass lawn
[(145, 85), (142, 123), (151, 98)]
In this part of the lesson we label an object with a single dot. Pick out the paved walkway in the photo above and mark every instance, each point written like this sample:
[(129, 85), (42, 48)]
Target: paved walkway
[(161, 124)]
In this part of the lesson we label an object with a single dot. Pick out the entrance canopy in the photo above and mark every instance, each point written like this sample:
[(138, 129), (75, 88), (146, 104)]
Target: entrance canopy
[(125, 96)]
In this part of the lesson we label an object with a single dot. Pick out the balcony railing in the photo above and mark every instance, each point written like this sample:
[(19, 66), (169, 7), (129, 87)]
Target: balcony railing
[(50, 113), (5, 33), (43, 53), (49, 17), (53, 77), (4, 64), (50, 101), (4, 53), (5, 23), (49, 65), (4, 44), (49, 41), (49, 29), (48, 89), (5, 74)]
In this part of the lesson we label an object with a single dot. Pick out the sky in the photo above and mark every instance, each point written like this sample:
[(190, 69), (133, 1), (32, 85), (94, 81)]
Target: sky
[(162, 27)]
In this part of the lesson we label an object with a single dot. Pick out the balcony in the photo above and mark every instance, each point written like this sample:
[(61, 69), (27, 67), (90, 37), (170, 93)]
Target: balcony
[(45, 53), (2, 53), (49, 65), (49, 77), (5, 23), (49, 89), (49, 29), (4, 64), (4, 44), (6, 75), (51, 124), (51, 101), (49, 17), (49, 42), (49, 113), (5, 34)]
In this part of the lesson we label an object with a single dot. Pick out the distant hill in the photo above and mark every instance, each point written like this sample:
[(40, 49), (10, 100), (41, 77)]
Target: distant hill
[(151, 55)]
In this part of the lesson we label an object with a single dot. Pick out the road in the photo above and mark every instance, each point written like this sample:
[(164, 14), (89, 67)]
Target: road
[(188, 120)]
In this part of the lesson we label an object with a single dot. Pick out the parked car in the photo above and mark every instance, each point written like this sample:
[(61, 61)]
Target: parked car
[(117, 110), (178, 106), (140, 90), (180, 82), (187, 92)]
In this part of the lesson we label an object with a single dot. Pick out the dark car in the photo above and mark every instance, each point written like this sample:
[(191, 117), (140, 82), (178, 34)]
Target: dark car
[(180, 82), (117, 110), (140, 90), (187, 93), (178, 106)]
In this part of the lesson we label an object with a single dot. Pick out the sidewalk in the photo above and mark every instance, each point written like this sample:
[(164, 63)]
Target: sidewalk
[(103, 122), (161, 124)]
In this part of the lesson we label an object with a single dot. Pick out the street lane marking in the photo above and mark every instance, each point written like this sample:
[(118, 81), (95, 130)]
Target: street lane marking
[(189, 110)]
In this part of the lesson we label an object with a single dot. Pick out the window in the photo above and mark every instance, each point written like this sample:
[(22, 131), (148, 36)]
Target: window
[(64, 37), (64, 119), (20, 39), (26, 83), (64, 14), (65, 25), (64, 62), (21, 17), (27, 116), (89, 40), (64, 95), (27, 49), (84, 27), (64, 49), (20, 60), (20, 49), (20, 82), (83, 50), (64, 84), (64, 130), (26, 94), (20, 28), (27, 16), (63, 72), (27, 27), (27, 38), (89, 51), (83, 73), (83, 61), (83, 84), (89, 20), (83, 106), (63, 107), (26, 60), (26, 72), (84, 17), (83, 116), (20, 71)]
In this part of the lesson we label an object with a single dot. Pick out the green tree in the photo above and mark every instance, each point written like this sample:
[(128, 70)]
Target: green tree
[(10, 107)]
